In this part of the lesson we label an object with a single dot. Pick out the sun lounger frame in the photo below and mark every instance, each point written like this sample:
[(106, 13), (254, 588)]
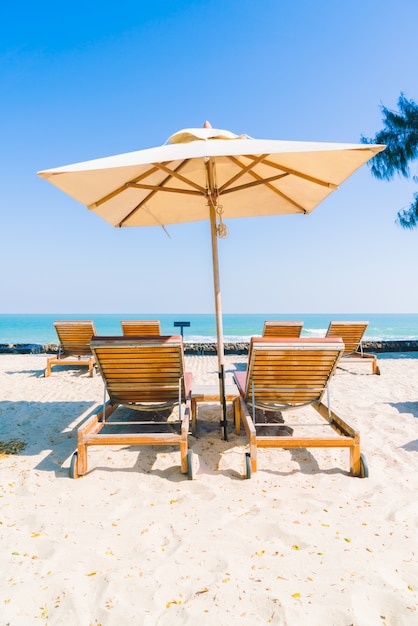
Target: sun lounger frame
[(74, 349), (111, 351), (345, 435), (352, 333)]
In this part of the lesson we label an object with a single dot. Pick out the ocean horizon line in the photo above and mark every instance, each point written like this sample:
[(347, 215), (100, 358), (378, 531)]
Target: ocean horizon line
[(152, 314), (38, 328)]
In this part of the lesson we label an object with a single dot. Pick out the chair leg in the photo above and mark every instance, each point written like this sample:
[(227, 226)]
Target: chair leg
[(251, 434), (82, 459), (253, 455), (194, 415), (355, 457), (375, 367), (48, 368), (237, 415), (183, 456)]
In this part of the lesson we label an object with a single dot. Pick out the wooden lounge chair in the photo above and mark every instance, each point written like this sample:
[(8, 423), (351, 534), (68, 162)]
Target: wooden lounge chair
[(140, 327), (283, 374), (145, 374), (274, 328), (352, 334), (74, 338)]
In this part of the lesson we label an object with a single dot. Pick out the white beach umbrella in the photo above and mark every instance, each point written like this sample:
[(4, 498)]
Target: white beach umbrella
[(210, 174)]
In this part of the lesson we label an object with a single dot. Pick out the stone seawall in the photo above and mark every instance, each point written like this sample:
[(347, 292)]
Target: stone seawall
[(211, 348), (242, 347)]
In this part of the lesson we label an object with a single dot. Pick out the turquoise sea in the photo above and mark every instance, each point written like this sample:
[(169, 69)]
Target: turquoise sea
[(39, 328)]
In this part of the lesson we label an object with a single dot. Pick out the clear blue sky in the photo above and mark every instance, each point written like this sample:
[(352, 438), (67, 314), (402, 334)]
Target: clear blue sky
[(83, 80)]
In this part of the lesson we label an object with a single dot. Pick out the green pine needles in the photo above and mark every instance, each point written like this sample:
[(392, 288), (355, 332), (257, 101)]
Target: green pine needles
[(400, 134)]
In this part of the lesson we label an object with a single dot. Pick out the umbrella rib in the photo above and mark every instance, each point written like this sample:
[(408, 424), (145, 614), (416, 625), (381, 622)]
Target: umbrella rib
[(289, 170), (124, 187), (135, 183), (255, 183), (263, 181), (154, 190), (242, 172), (169, 189), (175, 174)]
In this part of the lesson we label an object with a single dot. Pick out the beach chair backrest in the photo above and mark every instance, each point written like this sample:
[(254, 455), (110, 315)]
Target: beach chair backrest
[(273, 328), (141, 369), (75, 336), (140, 327), (350, 332), (290, 372)]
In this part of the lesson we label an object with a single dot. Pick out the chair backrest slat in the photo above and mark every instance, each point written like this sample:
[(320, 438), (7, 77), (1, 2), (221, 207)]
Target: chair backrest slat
[(141, 369), (75, 336), (140, 327), (350, 332), (273, 328), (290, 371)]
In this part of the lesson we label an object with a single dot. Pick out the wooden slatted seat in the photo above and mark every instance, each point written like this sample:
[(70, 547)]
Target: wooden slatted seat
[(273, 328), (146, 374), (74, 349), (352, 335), (132, 328), (285, 374)]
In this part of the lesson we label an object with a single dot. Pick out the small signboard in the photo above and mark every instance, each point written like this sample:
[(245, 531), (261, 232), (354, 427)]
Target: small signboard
[(181, 325)]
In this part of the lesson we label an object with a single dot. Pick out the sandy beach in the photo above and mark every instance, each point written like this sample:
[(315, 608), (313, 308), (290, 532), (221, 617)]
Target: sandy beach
[(135, 542)]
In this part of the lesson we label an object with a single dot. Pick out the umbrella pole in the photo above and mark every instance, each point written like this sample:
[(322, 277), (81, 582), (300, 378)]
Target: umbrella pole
[(218, 311)]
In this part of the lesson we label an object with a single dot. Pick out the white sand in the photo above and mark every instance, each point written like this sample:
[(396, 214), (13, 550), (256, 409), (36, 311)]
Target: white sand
[(135, 542)]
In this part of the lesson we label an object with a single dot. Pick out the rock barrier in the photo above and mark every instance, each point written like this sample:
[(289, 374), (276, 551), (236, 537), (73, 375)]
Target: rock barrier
[(22, 348), (242, 347), (390, 346), (209, 349)]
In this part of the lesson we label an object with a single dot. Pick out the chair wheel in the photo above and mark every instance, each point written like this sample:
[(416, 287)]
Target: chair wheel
[(74, 466), (190, 465), (247, 465), (364, 470)]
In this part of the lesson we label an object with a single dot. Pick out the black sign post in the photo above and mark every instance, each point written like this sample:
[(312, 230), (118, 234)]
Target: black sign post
[(181, 325)]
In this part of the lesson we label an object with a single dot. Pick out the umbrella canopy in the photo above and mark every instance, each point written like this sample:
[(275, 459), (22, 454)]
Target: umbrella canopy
[(171, 184), (206, 173)]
